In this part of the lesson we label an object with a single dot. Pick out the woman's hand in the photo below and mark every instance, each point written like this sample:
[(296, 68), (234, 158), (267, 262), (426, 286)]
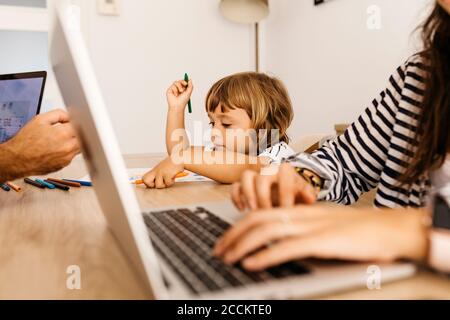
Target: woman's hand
[(163, 175), (324, 232), (178, 95), (283, 188)]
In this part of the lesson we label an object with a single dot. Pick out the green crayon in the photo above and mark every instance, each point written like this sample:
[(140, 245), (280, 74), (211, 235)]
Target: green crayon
[(186, 78)]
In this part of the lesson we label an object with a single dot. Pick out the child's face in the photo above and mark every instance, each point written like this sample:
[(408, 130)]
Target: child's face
[(231, 129)]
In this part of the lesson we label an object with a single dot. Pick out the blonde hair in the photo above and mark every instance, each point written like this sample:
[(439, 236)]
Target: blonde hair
[(264, 98)]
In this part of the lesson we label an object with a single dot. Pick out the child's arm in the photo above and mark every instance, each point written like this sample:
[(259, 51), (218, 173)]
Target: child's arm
[(221, 166), (178, 96)]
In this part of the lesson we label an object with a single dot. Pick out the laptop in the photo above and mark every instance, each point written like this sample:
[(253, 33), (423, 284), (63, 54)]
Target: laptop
[(20, 100), (170, 248)]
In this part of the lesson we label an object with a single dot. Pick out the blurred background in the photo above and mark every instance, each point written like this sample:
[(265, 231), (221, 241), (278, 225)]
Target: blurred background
[(332, 62)]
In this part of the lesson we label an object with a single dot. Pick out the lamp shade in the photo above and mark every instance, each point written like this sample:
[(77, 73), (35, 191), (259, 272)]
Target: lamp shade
[(245, 11)]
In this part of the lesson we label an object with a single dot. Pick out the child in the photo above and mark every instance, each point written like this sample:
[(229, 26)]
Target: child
[(245, 110)]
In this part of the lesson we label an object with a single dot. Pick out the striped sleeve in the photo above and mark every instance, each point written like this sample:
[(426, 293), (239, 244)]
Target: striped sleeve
[(352, 163)]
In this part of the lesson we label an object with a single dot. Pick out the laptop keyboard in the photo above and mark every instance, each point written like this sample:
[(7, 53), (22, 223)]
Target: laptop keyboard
[(185, 240)]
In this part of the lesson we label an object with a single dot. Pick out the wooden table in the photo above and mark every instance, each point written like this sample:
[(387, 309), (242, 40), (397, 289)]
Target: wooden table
[(43, 232)]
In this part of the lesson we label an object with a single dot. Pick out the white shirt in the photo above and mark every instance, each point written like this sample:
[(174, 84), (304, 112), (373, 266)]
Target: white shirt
[(278, 152), (441, 180)]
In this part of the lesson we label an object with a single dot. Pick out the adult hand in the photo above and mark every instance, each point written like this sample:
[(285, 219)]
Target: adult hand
[(46, 144), (322, 232), (283, 188)]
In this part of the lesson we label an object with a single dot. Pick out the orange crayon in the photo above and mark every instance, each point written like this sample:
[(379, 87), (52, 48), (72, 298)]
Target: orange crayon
[(14, 186), (179, 175)]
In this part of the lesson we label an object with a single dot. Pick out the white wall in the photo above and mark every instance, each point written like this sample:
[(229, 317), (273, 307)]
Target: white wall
[(23, 51), (24, 43), (152, 43), (331, 63)]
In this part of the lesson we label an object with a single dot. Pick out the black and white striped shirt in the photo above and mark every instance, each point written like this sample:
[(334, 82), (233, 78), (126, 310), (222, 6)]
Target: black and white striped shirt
[(373, 152)]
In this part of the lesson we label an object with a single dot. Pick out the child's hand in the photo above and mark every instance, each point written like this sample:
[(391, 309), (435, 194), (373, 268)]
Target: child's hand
[(163, 175), (178, 95)]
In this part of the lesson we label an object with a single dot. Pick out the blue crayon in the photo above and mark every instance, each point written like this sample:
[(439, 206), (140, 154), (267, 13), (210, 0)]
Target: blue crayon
[(83, 183), (46, 184)]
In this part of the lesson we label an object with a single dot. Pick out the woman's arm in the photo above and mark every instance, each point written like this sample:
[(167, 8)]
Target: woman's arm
[(352, 164), (369, 235), (346, 166), (364, 234)]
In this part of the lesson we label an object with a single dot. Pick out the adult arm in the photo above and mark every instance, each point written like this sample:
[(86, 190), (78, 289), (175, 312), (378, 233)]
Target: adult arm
[(350, 164), (46, 144)]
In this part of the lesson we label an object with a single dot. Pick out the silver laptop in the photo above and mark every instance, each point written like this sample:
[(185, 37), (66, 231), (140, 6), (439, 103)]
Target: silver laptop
[(170, 248)]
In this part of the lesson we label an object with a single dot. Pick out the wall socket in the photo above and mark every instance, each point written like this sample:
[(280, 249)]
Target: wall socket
[(108, 7)]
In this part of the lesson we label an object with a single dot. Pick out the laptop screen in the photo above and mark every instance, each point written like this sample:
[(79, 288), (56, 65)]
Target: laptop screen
[(20, 101)]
